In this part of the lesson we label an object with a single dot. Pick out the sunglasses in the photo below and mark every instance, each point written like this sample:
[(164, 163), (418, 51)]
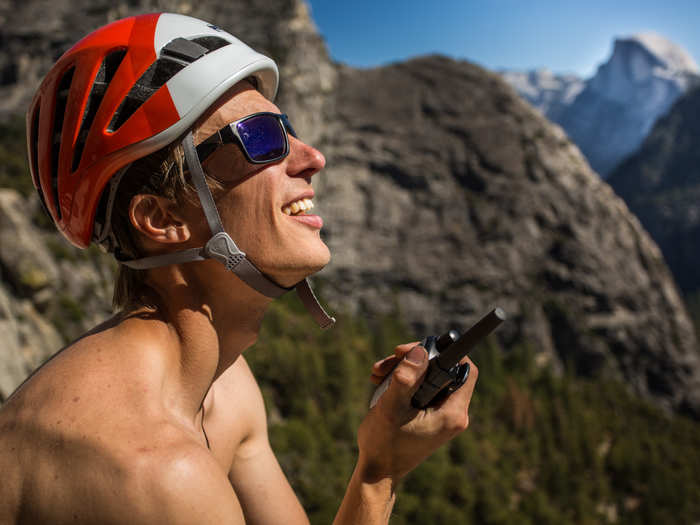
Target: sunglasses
[(262, 137)]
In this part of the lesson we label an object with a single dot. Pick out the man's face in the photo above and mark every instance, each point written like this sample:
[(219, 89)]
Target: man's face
[(285, 247)]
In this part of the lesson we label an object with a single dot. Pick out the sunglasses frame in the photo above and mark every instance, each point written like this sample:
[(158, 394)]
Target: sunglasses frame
[(229, 135)]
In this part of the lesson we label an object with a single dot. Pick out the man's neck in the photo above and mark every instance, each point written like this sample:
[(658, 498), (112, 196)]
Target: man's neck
[(210, 331)]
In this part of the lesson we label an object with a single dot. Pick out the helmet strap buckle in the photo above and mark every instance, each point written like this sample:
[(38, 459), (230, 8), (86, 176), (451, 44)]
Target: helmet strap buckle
[(222, 248)]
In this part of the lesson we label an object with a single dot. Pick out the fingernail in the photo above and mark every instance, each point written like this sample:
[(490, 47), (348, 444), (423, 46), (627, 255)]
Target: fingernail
[(416, 355)]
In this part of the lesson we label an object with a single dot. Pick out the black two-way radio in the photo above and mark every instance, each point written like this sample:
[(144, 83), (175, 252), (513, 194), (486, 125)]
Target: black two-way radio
[(445, 373)]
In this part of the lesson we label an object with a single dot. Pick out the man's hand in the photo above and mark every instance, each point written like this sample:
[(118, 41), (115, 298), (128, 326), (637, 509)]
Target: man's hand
[(395, 437)]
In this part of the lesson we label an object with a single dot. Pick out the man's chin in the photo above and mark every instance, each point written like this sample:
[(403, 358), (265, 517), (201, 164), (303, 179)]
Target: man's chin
[(315, 258), (319, 267), (303, 269)]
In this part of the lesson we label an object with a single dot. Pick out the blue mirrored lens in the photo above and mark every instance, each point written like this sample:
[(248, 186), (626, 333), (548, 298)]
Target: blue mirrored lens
[(262, 137)]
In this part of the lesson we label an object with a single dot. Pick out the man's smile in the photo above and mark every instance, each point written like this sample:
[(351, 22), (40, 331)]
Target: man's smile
[(298, 207)]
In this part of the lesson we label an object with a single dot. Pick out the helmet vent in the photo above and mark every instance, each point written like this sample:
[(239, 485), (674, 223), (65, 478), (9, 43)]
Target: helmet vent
[(34, 156), (104, 76), (59, 114), (153, 78), (176, 55), (211, 43), (183, 50)]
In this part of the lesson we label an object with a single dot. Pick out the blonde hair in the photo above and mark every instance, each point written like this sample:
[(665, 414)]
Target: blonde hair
[(162, 173)]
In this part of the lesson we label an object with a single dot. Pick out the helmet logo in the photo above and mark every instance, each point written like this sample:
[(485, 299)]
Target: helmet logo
[(215, 28)]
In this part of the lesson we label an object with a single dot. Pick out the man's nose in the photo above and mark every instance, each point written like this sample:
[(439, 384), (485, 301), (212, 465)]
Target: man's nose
[(303, 160)]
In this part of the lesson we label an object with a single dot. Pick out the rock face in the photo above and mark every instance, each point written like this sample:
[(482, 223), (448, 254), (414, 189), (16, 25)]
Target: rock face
[(661, 185), (49, 291), (445, 194), (616, 109), (449, 197)]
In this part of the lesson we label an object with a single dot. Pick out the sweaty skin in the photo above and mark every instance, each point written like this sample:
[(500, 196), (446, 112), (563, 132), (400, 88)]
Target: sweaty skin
[(154, 416)]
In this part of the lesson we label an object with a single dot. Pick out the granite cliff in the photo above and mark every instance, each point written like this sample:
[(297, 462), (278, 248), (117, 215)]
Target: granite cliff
[(445, 194), (457, 195)]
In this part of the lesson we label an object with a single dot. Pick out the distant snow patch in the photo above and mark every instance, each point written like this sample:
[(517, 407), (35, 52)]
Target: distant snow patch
[(673, 55)]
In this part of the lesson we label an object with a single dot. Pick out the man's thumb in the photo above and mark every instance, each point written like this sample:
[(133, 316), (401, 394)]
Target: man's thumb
[(407, 377)]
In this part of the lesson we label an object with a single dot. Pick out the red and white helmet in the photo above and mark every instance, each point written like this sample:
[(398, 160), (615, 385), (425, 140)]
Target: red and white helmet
[(124, 91)]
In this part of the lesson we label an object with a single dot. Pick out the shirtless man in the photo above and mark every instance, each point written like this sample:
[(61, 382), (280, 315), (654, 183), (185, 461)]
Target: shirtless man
[(154, 416)]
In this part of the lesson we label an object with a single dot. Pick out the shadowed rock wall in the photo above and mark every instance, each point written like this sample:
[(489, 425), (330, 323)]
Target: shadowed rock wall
[(661, 185)]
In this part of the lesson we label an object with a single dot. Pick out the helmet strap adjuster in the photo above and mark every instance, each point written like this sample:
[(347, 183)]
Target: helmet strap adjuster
[(222, 248)]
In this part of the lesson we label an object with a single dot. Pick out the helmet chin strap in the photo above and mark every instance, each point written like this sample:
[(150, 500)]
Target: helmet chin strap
[(222, 248)]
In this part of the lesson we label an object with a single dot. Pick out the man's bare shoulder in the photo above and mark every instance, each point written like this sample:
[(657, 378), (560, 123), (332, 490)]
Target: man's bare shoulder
[(93, 388), (157, 474), (85, 432)]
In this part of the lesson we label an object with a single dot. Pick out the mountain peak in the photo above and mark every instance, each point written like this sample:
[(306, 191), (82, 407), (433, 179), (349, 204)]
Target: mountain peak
[(645, 71), (668, 53), (609, 114)]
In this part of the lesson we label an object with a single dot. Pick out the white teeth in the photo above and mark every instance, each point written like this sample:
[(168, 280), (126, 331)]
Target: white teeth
[(298, 206)]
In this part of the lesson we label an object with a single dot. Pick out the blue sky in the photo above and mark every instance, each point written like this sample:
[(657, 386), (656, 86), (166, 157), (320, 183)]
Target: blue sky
[(562, 36)]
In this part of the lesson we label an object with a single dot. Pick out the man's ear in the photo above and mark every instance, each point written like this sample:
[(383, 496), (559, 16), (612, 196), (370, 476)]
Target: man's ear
[(157, 219)]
